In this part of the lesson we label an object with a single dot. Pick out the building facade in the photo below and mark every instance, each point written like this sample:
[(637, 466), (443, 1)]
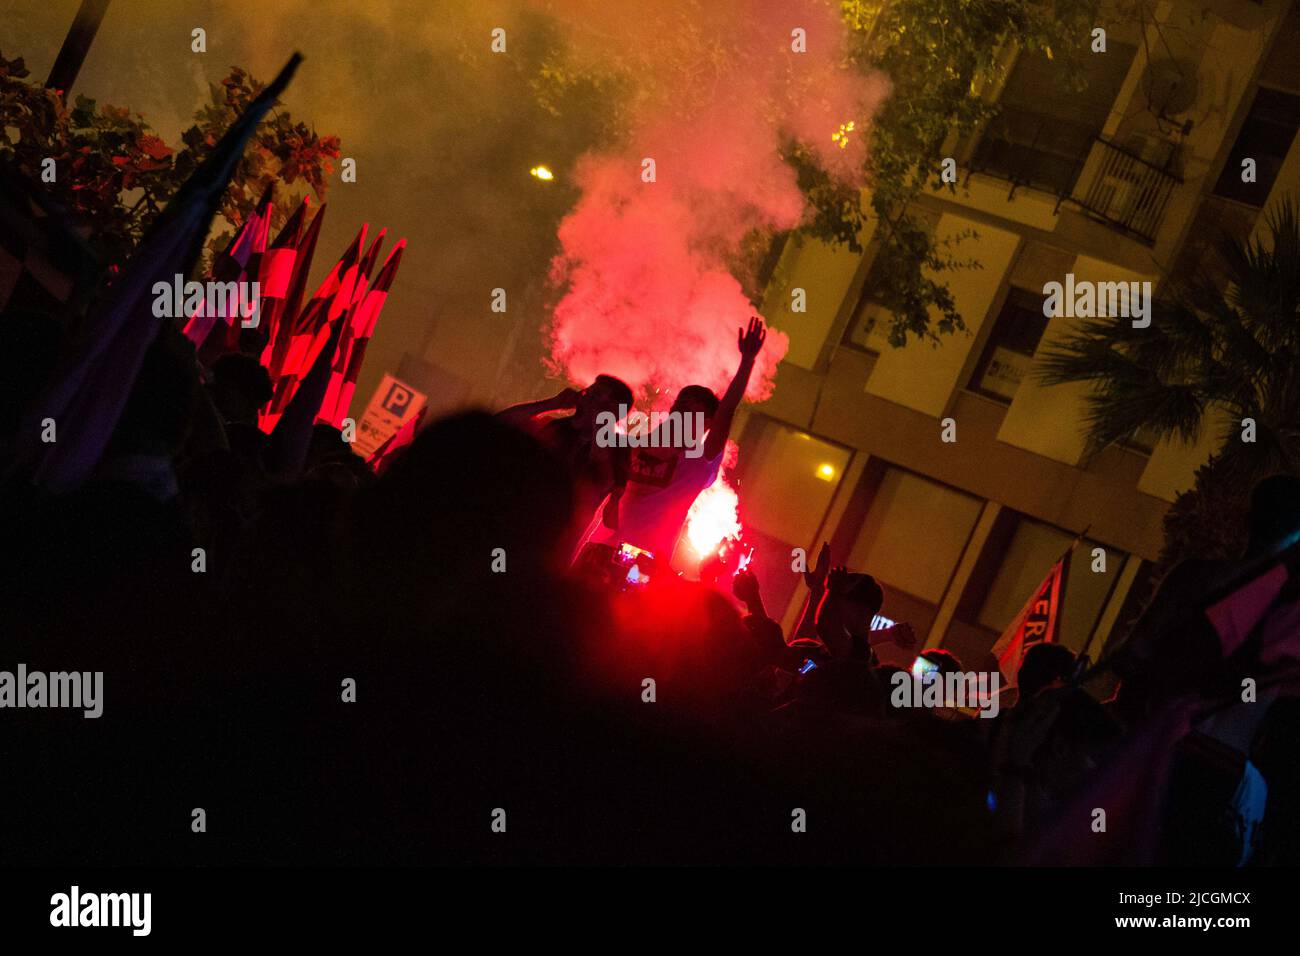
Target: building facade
[(1127, 181)]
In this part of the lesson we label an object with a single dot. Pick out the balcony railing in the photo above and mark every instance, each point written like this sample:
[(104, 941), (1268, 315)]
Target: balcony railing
[(1034, 150), (1126, 191), (1118, 187)]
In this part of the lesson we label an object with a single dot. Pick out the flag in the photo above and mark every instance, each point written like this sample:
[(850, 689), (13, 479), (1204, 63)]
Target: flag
[(368, 263), (275, 275), (311, 328), (324, 306), (354, 295), (226, 267), (1038, 621), (93, 379), (252, 268), (352, 352), (291, 438), (1266, 604), (273, 355), (1131, 788), (224, 336)]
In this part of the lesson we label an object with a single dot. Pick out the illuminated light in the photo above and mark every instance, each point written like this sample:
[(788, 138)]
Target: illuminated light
[(923, 668), (826, 472), (841, 137), (879, 622), (541, 172), (713, 518)]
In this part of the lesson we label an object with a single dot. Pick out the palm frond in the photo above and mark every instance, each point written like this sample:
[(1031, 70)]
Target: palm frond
[(1236, 347)]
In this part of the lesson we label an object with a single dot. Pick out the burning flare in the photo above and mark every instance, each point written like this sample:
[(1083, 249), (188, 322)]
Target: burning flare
[(714, 517)]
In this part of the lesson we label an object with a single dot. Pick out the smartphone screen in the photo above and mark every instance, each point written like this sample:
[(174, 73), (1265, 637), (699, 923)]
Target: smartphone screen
[(922, 667), (629, 552)]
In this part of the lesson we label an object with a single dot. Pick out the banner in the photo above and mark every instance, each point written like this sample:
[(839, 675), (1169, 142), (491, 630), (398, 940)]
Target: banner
[(1039, 620)]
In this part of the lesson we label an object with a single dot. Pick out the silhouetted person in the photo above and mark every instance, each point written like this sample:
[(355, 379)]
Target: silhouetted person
[(664, 479), (845, 615), (1044, 664), (597, 470), (240, 387)]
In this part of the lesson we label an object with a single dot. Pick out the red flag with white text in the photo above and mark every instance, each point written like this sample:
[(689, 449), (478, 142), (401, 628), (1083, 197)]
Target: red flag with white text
[(1038, 621)]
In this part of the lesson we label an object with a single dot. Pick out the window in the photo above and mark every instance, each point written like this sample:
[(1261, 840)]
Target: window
[(789, 480), (1201, 257), (1043, 133), (1143, 441), (1266, 138), (909, 533), (1033, 549), (1012, 564), (1009, 353), (872, 322), (869, 328), (914, 533)]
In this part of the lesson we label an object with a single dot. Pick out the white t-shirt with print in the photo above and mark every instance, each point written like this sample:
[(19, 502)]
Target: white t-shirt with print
[(659, 493)]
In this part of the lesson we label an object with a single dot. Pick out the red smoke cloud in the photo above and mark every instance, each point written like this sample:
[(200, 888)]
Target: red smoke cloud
[(717, 90)]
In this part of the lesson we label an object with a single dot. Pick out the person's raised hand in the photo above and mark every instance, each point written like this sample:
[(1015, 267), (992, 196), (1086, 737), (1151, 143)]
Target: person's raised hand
[(566, 398), (745, 586), (750, 340), (816, 578), (903, 635)]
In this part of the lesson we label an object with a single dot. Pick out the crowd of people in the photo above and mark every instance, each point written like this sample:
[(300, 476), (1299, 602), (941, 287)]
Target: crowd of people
[(335, 666)]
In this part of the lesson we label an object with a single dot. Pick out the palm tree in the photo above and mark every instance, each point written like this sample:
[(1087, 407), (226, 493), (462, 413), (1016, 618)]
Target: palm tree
[(1233, 346)]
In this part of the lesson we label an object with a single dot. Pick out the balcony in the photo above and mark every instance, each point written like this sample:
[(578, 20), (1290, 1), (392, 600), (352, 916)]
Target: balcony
[(1107, 182), (1031, 149), (1126, 191)]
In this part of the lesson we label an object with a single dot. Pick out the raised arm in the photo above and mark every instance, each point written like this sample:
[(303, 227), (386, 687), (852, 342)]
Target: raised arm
[(750, 342), (522, 415), (816, 581)]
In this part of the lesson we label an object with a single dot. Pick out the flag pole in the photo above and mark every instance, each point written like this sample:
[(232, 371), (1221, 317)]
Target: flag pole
[(1012, 631), (1065, 579), (76, 45)]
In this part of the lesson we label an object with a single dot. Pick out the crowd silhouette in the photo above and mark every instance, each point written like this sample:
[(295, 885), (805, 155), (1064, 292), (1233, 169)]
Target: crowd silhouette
[(409, 667)]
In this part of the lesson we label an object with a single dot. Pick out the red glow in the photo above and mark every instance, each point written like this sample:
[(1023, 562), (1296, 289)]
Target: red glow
[(646, 265), (714, 518)]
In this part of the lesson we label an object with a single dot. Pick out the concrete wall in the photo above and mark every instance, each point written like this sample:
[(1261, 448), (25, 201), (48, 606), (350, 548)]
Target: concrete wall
[(924, 376)]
